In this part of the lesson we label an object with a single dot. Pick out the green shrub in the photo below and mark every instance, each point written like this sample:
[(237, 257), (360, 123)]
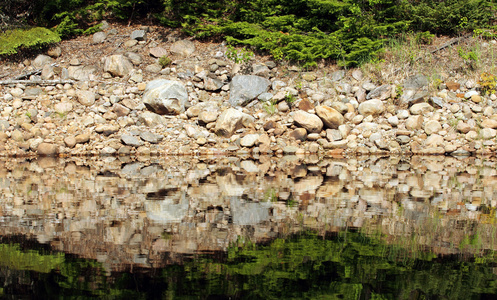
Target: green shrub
[(12, 41), (164, 61)]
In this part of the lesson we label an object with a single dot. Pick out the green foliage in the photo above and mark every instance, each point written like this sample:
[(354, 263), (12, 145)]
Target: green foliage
[(12, 257), (488, 83), (241, 56), (304, 31), (270, 107), (164, 61), (471, 57), (290, 99), (14, 40), (424, 38)]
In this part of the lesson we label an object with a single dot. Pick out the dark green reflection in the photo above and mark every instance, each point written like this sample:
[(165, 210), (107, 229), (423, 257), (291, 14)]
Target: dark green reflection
[(349, 265)]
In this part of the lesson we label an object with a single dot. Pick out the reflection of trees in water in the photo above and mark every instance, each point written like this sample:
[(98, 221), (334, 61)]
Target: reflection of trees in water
[(345, 265)]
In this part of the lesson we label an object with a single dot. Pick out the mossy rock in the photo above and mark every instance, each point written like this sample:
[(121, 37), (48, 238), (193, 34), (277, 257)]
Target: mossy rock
[(12, 41)]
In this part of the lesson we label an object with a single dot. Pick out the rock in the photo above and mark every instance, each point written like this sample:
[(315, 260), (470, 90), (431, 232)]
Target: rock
[(82, 73), (260, 70), (133, 104), (106, 129), (207, 116), (99, 37), (416, 82), (47, 149), (117, 65), (414, 122), (151, 119), (437, 102), (42, 60), (212, 84), (432, 126), (393, 120), (249, 140), (453, 86), (488, 133), (382, 92), (231, 120), (305, 105), (47, 72), (150, 137), (135, 58), (55, 52), (182, 48), (338, 75), (330, 116), (371, 107), (357, 74), (63, 107), (139, 35), (434, 140), (310, 122), (165, 97), (35, 91), (82, 138), (420, 108), (470, 94), (70, 141), (463, 127), (489, 123), (131, 140), (120, 110), (244, 88), (283, 106), (158, 52), (299, 134), (153, 68), (86, 98)]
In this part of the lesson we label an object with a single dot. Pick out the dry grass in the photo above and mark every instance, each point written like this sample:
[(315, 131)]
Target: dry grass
[(468, 58)]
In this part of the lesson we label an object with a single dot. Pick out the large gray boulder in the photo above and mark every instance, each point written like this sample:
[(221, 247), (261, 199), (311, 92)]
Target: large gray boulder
[(245, 88), (165, 97), (117, 65)]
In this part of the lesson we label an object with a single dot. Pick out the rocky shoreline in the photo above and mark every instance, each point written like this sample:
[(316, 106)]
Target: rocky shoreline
[(107, 94)]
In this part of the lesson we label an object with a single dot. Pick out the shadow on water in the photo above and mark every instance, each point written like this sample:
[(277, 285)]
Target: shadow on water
[(272, 228)]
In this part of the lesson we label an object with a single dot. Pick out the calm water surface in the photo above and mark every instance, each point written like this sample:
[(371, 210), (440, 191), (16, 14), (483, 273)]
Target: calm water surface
[(239, 228)]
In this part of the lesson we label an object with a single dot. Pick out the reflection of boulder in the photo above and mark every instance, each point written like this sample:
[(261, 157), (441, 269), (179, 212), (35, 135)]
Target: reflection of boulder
[(249, 213), (167, 211), (229, 185)]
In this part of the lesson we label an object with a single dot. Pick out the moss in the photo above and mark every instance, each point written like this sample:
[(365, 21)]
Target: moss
[(14, 40)]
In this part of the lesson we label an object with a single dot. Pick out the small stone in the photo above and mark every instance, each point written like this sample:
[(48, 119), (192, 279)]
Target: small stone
[(432, 126), (82, 138), (453, 86), (310, 122), (99, 37), (70, 141), (158, 52), (139, 35), (131, 140), (86, 98), (421, 108), (299, 134), (249, 140), (47, 149), (371, 107)]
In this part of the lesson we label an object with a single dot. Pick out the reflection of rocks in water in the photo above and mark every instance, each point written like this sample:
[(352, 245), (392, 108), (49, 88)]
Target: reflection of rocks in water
[(122, 210)]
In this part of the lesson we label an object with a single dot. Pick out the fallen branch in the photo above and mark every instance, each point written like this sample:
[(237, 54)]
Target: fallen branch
[(451, 42)]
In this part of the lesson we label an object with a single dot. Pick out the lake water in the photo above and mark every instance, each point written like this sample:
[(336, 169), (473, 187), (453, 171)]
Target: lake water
[(248, 228)]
